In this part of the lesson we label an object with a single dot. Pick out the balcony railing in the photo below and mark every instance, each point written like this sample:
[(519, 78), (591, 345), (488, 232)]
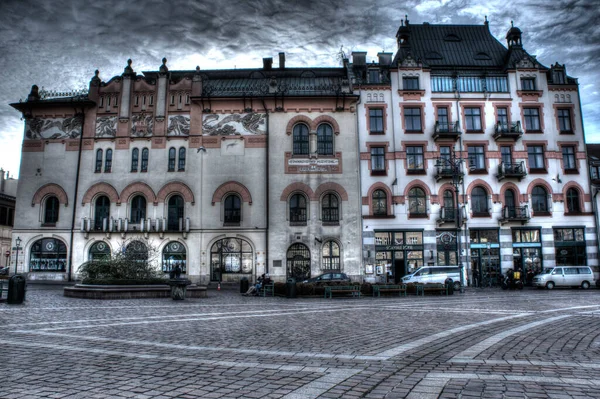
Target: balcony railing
[(447, 168), (511, 170), (508, 131), (447, 215), (446, 130), (158, 225), (515, 214)]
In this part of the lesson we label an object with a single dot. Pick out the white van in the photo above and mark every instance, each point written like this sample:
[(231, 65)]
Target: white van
[(564, 276), (434, 274)]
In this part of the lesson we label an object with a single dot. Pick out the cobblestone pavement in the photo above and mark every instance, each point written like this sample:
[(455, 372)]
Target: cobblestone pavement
[(484, 343)]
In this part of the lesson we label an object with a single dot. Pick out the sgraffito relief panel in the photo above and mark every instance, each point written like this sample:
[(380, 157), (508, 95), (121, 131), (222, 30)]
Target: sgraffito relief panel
[(234, 124), (106, 126), (53, 128), (141, 125), (179, 125)]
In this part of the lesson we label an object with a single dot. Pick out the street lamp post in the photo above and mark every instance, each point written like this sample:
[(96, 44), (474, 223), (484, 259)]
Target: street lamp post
[(489, 251), (18, 242), (457, 179)]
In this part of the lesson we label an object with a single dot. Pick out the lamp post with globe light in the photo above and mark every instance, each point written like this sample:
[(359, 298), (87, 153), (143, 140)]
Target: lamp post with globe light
[(18, 243)]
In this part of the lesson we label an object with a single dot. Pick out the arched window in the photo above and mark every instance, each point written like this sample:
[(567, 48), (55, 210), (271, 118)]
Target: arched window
[(174, 254), (330, 211), (539, 199), (510, 203), (479, 201), (298, 208), (138, 209), (175, 213), (144, 167), (99, 251), (573, 201), (98, 168), (51, 210), (135, 154), (331, 256), (324, 139), (448, 199), (136, 251), (49, 255), (181, 165), (230, 255), (416, 202), (232, 210), (101, 212), (172, 154), (298, 262), (108, 161), (379, 202), (300, 138)]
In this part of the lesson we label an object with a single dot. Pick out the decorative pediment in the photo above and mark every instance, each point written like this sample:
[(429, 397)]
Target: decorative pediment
[(526, 63), (409, 62)]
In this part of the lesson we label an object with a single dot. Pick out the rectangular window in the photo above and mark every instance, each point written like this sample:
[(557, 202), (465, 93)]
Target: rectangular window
[(527, 83), (569, 163), (414, 158), (476, 158), (469, 84), (101, 102), (172, 100), (137, 101), (535, 156), (503, 119), (496, 84), (595, 172), (378, 161), (473, 119), (443, 84), (412, 119), (564, 121), (532, 119), (506, 154), (374, 76), (375, 120), (443, 123), (411, 83)]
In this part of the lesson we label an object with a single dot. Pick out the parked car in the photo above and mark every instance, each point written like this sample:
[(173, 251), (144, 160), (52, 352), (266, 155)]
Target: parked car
[(328, 277), (564, 276), (434, 274)]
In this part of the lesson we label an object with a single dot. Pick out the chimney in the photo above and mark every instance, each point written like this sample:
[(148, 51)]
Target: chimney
[(267, 64), (385, 59), (359, 58), (281, 60), (1, 180)]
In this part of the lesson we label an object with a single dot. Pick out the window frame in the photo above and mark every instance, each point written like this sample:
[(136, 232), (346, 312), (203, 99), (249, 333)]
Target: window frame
[(536, 159), (171, 159), (108, 160), (135, 158), (298, 209), (415, 195), (378, 164), (531, 119), (572, 204), (330, 212), (331, 259), (325, 145), (528, 83), (379, 203), (539, 198), (232, 210), (136, 211), (300, 139), (375, 120), (413, 117), (564, 120), (408, 83), (181, 160), (477, 160), (175, 204), (473, 121), (569, 159), (51, 210), (479, 202), (145, 156), (99, 157), (413, 156)]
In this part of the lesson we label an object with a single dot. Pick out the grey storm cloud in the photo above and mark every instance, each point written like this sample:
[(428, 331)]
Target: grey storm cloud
[(57, 44)]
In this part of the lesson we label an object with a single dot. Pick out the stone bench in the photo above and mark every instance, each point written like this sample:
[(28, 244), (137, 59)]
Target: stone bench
[(391, 288), (342, 289)]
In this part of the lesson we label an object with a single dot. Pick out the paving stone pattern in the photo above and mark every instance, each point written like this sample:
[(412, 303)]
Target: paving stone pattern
[(484, 343)]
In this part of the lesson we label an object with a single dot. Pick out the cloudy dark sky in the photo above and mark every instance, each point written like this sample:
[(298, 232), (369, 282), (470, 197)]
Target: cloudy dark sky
[(57, 44)]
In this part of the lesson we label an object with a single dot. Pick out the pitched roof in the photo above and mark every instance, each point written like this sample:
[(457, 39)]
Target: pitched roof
[(453, 46)]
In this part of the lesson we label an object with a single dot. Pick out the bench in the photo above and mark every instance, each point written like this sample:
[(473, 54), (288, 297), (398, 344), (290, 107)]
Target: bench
[(267, 289), (342, 289), (399, 288), (442, 289)]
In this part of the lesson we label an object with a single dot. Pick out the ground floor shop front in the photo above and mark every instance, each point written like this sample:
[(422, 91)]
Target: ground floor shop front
[(484, 253)]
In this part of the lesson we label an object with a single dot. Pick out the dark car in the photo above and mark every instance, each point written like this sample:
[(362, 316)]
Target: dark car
[(328, 277)]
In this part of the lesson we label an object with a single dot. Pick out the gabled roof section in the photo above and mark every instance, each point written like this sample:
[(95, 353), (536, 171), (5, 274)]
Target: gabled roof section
[(453, 46)]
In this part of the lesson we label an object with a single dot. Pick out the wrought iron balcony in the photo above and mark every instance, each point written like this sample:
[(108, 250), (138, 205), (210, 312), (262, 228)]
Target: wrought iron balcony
[(447, 168), (515, 214), (447, 215), (508, 131), (511, 170), (446, 130)]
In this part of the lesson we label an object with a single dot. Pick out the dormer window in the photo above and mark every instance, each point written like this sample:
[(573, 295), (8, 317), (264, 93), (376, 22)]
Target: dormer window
[(558, 77), (527, 84), (410, 83), (374, 76), (452, 38)]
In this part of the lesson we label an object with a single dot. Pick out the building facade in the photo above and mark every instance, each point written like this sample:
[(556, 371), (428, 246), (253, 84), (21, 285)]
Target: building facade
[(472, 154), (456, 150), (226, 173), (8, 196)]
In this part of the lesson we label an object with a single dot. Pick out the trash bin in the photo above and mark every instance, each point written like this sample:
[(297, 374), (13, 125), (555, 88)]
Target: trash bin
[(450, 286), (16, 290), (291, 288), (244, 285)]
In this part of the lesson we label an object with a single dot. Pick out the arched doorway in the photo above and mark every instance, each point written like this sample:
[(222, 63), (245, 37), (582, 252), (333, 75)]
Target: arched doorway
[(99, 251), (230, 256), (174, 254), (298, 262), (48, 254)]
